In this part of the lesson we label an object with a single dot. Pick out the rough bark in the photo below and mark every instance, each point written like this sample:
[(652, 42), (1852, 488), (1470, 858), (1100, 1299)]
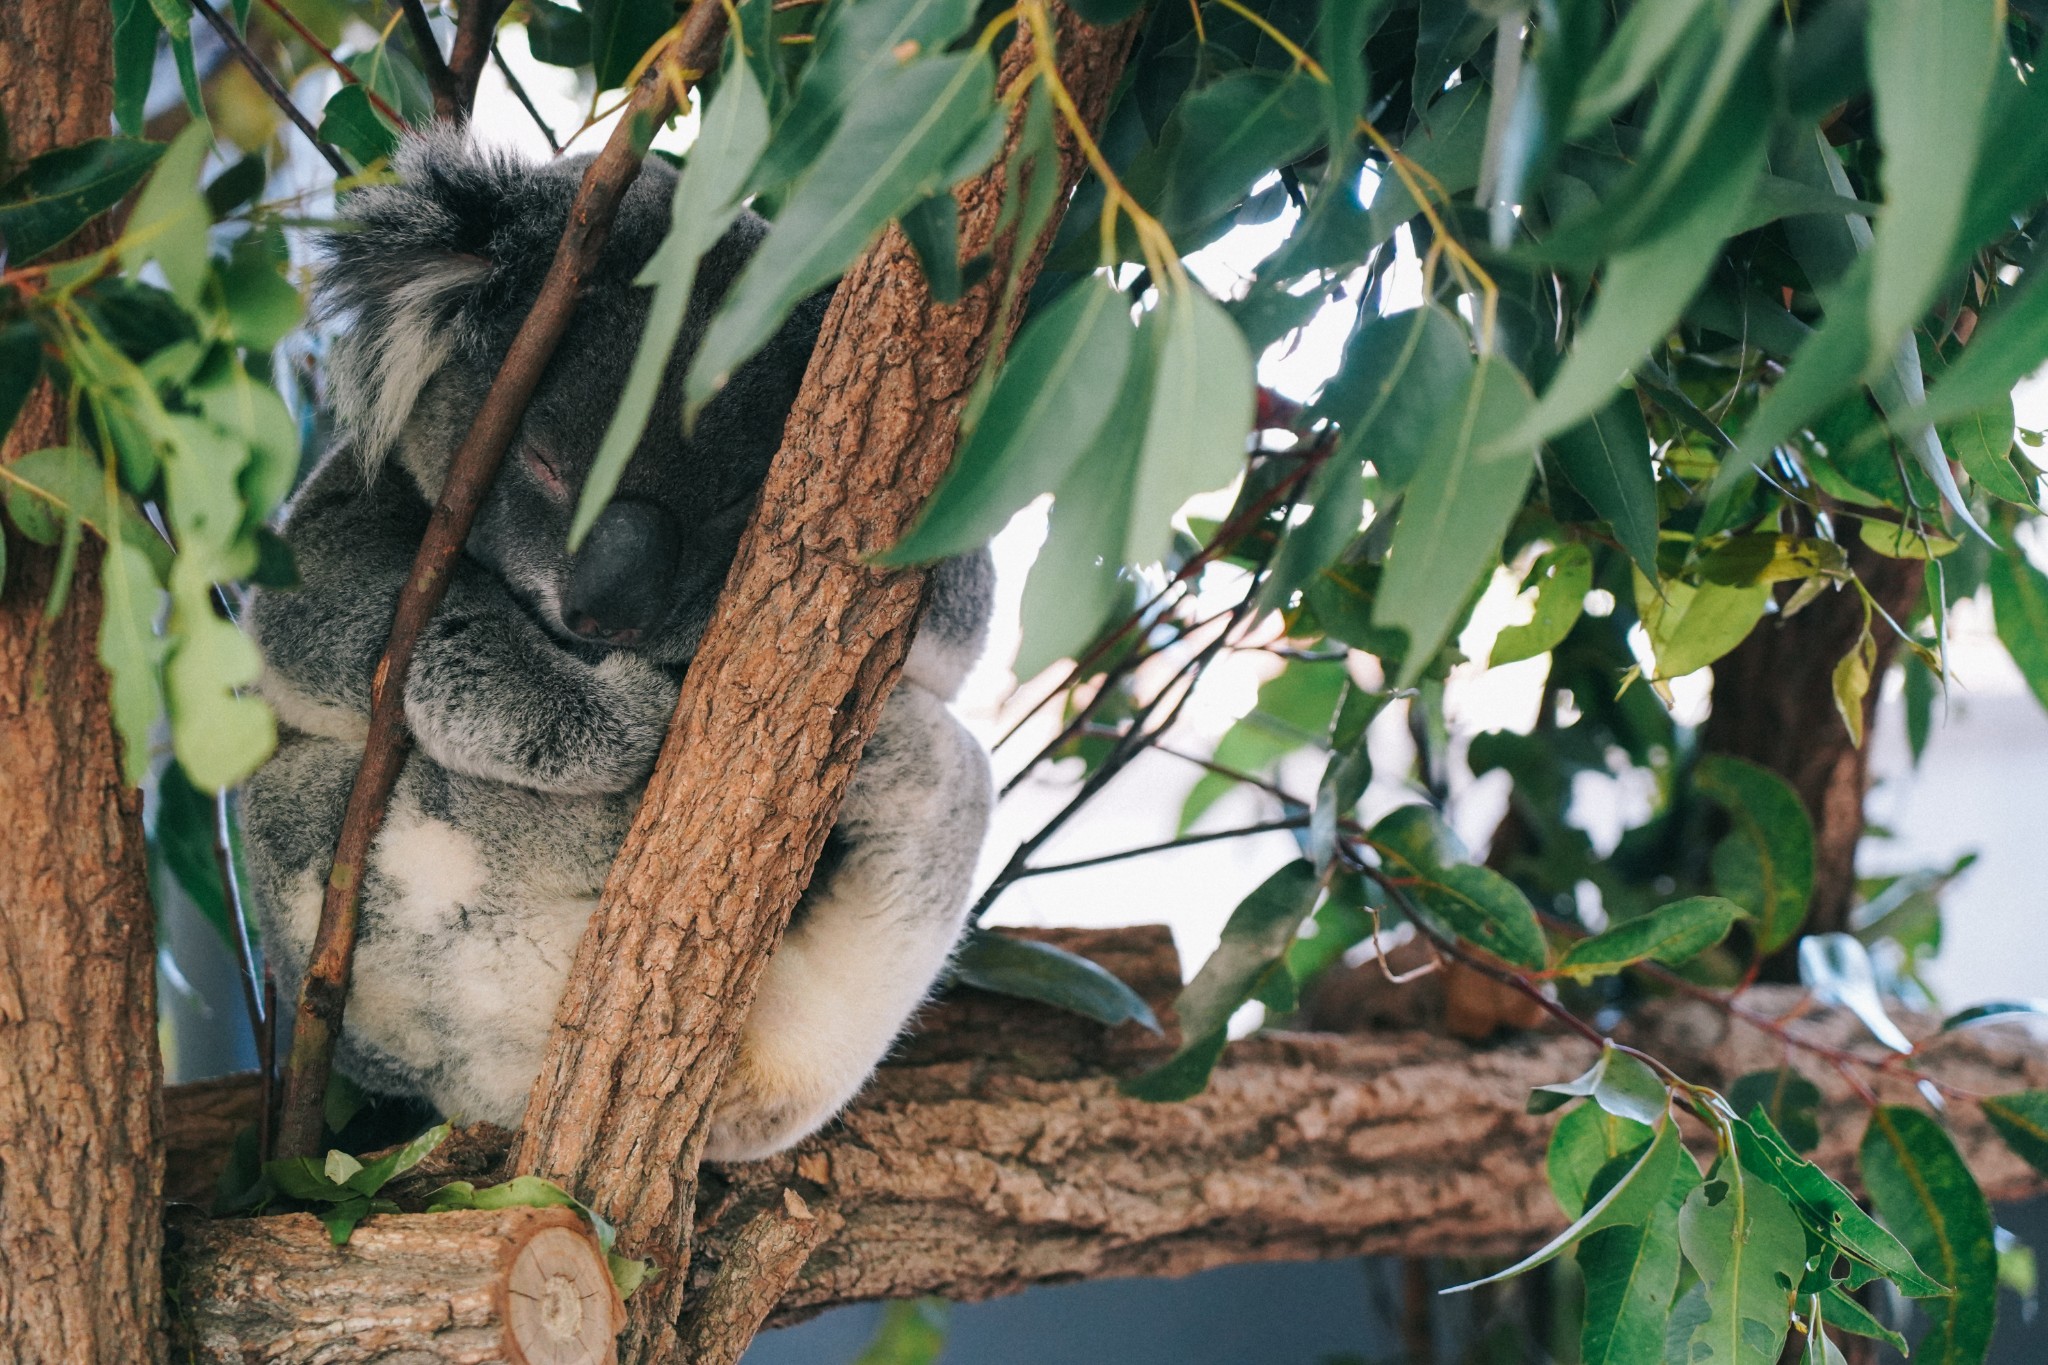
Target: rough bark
[(760, 1265), (996, 1153), (1774, 704), (525, 1286), (777, 706), (79, 1073)]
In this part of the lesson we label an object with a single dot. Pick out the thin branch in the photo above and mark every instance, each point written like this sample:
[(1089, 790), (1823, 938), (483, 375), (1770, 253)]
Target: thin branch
[(326, 54), (322, 999), (279, 96), (1185, 841), (474, 28), (760, 1266), (519, 93), (439, 78)]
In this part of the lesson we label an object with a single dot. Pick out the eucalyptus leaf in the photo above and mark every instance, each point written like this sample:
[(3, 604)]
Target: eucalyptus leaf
[(1607, 459), (2019, 603), (170, 219), (1051, 975), (1670, 934), (1561, 578), (60, 192), (1750, 1252), (1631, 1273), (1924, 1191), (2022, 1120), (1768, 869), (1200, 415)]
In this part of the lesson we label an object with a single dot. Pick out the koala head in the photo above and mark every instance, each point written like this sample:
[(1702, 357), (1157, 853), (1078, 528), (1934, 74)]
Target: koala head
[(428, 288)]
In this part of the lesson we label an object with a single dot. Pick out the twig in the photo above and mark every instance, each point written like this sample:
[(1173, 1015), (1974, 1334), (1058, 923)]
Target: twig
[(760, 1266), (1185, 841), (519, 93), (279, 96), (439, 78), (324, 995), (231, 894), (326, 54)]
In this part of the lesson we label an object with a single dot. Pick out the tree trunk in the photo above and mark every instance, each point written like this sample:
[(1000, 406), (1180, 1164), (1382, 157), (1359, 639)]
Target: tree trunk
[(522, 1285), (775, 711), (79, 1074), (995, 1152), (1774, 704)]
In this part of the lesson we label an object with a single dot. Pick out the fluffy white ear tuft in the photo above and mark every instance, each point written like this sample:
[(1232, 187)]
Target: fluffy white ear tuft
[(394, 345)]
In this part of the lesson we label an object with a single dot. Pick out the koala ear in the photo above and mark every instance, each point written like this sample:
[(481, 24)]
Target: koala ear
[(411, 281)]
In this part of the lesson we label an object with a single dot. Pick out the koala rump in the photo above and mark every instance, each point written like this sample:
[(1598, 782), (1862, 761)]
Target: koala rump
[(541, 691)]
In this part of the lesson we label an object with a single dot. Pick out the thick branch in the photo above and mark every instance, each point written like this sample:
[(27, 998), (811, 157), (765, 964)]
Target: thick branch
[(760, 1265), (79, 1074), (325, 992), (996, 1153), (777, 706), (521, 1285)]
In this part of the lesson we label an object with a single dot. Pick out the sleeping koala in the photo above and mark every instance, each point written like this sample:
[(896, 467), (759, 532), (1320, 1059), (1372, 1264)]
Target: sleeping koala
[(541, 691)]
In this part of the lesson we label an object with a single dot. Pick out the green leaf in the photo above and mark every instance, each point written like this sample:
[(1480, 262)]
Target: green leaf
[(1607, 459), (1561, 578), (1641, 44), (60, 192), (368, 1179), (1250, 956), (21, 365), (1417, 840), (1619, 1083), (1789, 1101), (1203, 403), (912, 1332), (1924, 1191), (1226, 135), (352, 123), (1485, 909), (1340, 42), (1399, 374), (857, 45), (620, 31), (1690, 627), (262, 306), (705, 203), (1631, 1273), (1896, 540), (556, 34), (184, 836), (219, 733), (1647, 285), (170, 219), (1076, 585), (1455, 515), (1829, 1210), (895, 146), (1030, 970), (132, 652), (1750, 1251), (1847, 1315), (933, 231), (1058, 388), (1584, 1141), (1932, 69), (1448, 142), (2006, 347), (1670, 934), (135, 34), (2021, 1119), (2019, 605), (1982, 443), (1629, 1201), (1766, 864)]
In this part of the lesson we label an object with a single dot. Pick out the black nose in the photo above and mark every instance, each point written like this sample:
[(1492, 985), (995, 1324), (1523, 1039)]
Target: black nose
[(620, 582)]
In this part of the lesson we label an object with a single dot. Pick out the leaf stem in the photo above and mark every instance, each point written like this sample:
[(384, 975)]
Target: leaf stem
[(326, 54), (269, 83)]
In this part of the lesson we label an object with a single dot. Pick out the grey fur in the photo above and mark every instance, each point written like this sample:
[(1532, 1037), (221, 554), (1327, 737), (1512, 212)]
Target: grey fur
[(534, 736)]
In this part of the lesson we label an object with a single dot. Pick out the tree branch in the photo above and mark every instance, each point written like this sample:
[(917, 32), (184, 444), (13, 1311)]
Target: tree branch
[(775, 710), (474, 27), (325, 992), (269, 83), (760, 1265), (440, 79), (326, 54), (995, 1152)]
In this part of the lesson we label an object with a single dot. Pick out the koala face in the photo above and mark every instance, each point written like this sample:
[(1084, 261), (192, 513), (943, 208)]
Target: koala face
[(433, 287)]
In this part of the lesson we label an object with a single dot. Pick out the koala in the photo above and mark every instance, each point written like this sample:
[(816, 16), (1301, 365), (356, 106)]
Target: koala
[(542, 689)]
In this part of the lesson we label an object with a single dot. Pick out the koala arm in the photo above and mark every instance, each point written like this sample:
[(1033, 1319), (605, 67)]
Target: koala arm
[(865, 948), (490, 693)]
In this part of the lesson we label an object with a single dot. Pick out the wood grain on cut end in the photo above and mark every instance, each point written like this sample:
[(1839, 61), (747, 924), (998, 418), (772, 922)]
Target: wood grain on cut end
[(558, 1300)]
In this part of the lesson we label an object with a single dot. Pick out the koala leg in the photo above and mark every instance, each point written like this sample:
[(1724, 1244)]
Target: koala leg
[(864, 948)]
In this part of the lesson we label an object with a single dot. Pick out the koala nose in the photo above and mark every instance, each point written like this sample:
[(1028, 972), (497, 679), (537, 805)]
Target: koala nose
[(621, 581)]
